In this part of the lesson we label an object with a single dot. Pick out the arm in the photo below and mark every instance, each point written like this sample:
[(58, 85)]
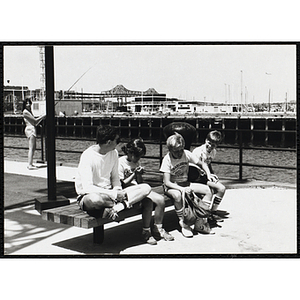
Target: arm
[(115, 178), (207, 169), (139, 171), (171, 185), (31, 119), (129, 179), (201, 162)]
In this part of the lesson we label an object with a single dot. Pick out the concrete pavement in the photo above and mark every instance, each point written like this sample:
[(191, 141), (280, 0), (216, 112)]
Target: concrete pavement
[(262, 220)]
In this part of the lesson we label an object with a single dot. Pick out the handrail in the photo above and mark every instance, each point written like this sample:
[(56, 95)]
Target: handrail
[(238, 131), (241, 147)]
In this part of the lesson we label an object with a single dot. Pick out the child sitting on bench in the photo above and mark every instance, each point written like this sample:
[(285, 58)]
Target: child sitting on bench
[(206, 153), (130, 172)]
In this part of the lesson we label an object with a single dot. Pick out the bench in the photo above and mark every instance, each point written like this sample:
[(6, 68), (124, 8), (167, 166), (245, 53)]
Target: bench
[(72, 215)]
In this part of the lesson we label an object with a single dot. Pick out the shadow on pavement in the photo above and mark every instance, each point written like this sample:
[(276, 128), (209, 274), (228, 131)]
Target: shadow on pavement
[(116, 239), (28, 230), (22, 190)]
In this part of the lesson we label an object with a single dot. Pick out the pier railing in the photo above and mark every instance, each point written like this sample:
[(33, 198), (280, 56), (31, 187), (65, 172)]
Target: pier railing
[(241, 138)]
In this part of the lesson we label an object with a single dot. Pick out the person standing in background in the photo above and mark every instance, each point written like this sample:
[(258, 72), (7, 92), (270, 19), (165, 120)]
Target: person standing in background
[(30, 130)]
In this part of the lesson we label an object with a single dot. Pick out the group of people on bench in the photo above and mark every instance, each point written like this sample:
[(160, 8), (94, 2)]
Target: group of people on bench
[(107, 184)]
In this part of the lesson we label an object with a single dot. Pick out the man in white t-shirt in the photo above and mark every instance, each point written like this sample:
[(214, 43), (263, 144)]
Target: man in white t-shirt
[(97, 180)]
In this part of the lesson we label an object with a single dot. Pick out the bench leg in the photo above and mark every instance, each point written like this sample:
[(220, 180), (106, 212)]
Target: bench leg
[(98, 234)]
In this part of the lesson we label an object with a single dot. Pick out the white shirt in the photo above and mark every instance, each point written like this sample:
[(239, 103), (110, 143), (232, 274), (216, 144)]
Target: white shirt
[(126, 168), (205, 156), (98, 173), (178, 168)]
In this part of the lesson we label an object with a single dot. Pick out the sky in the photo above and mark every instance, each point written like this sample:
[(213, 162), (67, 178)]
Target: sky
[(213, 73)]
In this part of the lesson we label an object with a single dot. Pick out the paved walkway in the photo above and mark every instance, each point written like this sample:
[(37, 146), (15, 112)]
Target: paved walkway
[(262, 220)]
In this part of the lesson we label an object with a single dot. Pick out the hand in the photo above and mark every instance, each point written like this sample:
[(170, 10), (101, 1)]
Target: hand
[(214, 178), (188, 190), (120, 196), (139, 170)]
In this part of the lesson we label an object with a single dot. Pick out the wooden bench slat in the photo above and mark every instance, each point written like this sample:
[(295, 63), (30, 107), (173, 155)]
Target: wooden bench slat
[(72, 215)]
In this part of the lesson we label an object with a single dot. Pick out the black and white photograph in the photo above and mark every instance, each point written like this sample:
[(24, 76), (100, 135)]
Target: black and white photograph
[(149, 149), (153, 149)]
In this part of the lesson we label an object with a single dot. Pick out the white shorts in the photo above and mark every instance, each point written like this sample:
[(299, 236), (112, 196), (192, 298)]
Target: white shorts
[(30, 131)]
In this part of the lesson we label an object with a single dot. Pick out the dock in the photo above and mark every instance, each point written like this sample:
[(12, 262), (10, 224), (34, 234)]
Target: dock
[(262, 221)]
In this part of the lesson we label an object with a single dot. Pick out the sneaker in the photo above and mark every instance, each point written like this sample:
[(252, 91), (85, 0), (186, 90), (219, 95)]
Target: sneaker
[(162, 234), (186, 230), (148, 238), (110, 213), (215, 218), (32, 167), (220, 213), (202, 227)]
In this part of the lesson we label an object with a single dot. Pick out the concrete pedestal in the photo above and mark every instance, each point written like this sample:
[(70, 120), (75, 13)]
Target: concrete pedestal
[(44, 203)]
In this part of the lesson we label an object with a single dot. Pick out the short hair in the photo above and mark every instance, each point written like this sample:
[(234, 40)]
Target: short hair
[(105, 133), (136, 147), (175, 141), (214, 136), (26, 102)]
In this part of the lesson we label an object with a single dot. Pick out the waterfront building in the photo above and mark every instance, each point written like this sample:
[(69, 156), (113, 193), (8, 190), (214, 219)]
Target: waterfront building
[(121, 100)]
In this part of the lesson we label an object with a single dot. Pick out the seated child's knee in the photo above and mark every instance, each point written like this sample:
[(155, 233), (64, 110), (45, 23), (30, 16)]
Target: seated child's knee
[(208, 191), (177, 198), (160, 200), (222, 188)]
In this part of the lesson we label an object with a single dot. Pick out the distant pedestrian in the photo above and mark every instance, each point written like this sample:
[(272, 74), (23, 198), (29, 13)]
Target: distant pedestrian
[(131, 174), (206, 153), (30, 130)]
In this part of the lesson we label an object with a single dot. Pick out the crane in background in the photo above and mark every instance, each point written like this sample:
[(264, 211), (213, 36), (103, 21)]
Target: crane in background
[(42, 72)]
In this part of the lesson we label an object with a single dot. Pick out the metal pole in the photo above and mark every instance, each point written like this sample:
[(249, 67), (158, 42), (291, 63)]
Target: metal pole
[(241, 159), (240, 152), (50, 141), (42, 143)]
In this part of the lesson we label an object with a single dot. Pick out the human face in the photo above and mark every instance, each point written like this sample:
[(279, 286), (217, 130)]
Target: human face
[(210, 146), (177, 152), (113, 144)]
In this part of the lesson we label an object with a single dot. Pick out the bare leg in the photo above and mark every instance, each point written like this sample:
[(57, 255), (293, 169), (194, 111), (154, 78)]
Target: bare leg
[(159, 208), (136, 193), (158, 230), (97, 201), (199, 188), (147, 207), (219, 189), (32, 147), (176, 196)]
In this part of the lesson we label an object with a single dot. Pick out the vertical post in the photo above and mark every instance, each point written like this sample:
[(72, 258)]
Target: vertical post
[(160, 141), (252, 128), (266, 132), (283, 133), (197, 131), (240, 155), (42, 142), (269, 100), (50, 142), (129, 127)]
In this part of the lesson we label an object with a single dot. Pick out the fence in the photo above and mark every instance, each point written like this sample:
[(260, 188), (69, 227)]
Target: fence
[(241, 138)]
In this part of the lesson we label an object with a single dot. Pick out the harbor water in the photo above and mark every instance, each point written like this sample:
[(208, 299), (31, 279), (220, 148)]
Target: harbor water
[(265, 157)]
